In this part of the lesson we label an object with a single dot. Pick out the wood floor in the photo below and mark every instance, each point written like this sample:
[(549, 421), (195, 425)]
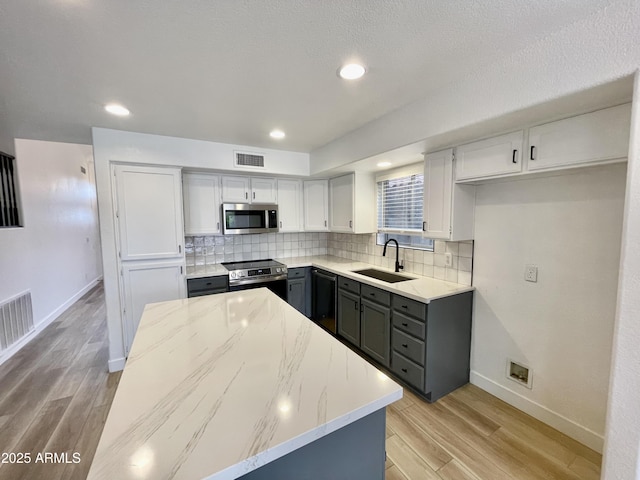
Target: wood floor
[(56, 392)]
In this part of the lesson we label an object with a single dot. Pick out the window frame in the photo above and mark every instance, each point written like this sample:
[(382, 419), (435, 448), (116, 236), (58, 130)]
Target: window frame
[(10, 205)]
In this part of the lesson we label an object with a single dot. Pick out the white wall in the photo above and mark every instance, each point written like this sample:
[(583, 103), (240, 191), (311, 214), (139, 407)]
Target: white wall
[(129, 147), (562, 326), (622, 445), (57, 253)]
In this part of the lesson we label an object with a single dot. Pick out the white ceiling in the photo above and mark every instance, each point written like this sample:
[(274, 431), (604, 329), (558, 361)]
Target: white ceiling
[(232, 70)]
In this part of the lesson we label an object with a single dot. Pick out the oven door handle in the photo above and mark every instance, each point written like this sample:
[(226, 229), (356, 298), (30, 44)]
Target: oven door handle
[(249, 281)]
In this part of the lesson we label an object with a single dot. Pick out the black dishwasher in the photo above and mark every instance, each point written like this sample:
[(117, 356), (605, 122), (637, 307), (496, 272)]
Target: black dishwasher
[(323, 300)]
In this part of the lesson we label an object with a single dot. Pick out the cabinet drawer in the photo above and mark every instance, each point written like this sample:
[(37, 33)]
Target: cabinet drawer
[(376, 295), (206, 285), (409, 325), (407, 370), (348, 284), (296, 272), (410, 307), (408, 346)]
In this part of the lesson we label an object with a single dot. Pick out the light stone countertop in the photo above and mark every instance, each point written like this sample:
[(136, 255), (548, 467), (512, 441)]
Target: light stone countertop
[(217, 386), (422, 289)]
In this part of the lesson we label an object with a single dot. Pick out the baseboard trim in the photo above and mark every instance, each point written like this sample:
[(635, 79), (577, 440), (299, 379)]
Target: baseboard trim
[(116, 364), (44, 323), (565, 425)]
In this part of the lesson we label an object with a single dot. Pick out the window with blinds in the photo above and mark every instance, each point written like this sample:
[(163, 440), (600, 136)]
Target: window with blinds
[(9, 211), (400, 203)]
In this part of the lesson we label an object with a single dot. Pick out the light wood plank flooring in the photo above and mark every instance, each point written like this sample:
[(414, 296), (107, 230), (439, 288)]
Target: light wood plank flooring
[(56, 392)]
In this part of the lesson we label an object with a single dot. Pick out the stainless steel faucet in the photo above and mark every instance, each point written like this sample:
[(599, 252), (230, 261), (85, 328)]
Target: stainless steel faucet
[(384, 252)]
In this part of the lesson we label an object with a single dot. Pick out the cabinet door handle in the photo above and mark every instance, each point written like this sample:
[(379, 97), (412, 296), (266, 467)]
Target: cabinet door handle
[(404, 370), (355, 305), (246, 195), (218, 227), (179, 248), (350, 223), (513, 157), (405, 324), (405, 345), (325, 223), (424, 226), (254, 195), (533, 149), (280, 224), (289, 287)]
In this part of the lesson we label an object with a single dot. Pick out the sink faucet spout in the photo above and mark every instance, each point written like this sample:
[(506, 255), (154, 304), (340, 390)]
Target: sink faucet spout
[(384, 252)]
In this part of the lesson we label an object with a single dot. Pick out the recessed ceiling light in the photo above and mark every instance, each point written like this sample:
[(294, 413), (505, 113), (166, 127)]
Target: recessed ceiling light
[(276, 134), (352, 71), (116, 109), (384, 164)]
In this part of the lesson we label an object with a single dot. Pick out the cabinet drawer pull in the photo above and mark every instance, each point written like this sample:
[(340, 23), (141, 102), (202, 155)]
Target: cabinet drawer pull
[(405, 324), (345, 284), (513, 158), (404, 370), (372, 294), (405, 345), (209, 283), (404, 306), (531, 157)]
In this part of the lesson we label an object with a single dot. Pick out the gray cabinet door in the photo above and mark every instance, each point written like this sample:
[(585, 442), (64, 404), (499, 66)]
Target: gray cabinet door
[(296, 293), (349, 316), (376, 328)]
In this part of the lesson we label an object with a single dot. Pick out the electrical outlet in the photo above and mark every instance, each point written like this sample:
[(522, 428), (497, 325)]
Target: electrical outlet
[(448, 260), (531, 273)]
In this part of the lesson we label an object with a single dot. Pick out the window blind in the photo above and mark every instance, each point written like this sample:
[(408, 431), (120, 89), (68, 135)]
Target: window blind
[(400, 204), (8, 195)]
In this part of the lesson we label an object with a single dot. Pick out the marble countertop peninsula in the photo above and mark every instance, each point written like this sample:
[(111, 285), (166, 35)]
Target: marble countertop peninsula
[(217, 386), (422, 289)]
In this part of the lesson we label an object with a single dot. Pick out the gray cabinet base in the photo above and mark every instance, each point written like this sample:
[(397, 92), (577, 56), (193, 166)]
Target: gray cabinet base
[(354, 452)]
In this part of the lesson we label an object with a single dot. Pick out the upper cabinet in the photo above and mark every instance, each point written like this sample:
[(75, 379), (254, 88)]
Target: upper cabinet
[(352, 202), (290, 205), (448, 207), (589, 139), (594, 137), (316, 205), (201, 194), (236, 189), (148, 212), (492, 156)]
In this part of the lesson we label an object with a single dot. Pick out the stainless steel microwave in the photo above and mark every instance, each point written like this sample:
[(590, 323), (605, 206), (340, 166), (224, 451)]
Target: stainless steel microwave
[(249, 218)]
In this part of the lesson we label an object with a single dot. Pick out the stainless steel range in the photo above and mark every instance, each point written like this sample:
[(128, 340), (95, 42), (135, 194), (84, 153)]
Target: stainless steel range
[(258, 273)]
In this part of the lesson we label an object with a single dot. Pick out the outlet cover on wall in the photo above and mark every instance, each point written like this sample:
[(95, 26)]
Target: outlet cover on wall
[(531, 273), (448, 260)]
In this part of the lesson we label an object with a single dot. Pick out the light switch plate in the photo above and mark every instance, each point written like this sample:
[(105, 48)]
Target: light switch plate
[(448, 260), (531, 273)]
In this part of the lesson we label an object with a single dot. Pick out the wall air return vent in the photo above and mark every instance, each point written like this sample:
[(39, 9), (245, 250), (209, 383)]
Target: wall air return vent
[(251, 160)]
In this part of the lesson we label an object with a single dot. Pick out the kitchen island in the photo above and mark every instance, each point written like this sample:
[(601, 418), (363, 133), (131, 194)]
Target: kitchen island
[(241, 385)]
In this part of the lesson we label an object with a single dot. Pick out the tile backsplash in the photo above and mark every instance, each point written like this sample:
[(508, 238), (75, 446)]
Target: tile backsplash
[(206, 250), (363, 248)]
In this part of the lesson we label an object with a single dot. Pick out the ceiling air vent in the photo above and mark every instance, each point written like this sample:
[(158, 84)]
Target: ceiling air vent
[(249, 160)]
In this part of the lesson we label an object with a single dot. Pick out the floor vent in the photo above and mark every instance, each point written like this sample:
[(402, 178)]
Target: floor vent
[(249, 160), (16, 319)]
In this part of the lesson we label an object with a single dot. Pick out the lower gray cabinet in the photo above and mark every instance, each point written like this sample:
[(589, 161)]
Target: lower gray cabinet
[(296, 294), (375, 331), (349, 316)]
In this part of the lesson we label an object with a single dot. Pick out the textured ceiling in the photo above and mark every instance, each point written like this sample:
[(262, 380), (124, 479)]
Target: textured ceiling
[(232, 70)]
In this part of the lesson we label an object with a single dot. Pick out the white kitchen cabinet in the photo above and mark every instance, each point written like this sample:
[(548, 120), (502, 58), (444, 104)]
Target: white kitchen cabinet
[(290, 205), (448, 211), (490, 157), (316, 205), (235, 189), (201, 195), (601, 136), (352, 203), (148, 212), (264, 190), (147, 282)]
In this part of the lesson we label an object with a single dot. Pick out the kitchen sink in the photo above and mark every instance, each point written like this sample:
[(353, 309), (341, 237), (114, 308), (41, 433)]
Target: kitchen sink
[(382, 275)]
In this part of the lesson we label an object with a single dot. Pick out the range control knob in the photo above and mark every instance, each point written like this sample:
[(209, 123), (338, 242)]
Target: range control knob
[(278, 270), (233, 274)]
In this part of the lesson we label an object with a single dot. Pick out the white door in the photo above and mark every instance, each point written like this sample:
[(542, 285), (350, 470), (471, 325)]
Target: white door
[(438, 180), (201, 194), (149, 212), (148, 282), (263, 190), (491, 157), (592, 137), (290, 205), (341, 203), (235, 189), (316, 205)]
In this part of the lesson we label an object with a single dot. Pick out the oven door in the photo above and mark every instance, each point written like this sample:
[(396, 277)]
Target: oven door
[(245, 218), (279, 287)]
